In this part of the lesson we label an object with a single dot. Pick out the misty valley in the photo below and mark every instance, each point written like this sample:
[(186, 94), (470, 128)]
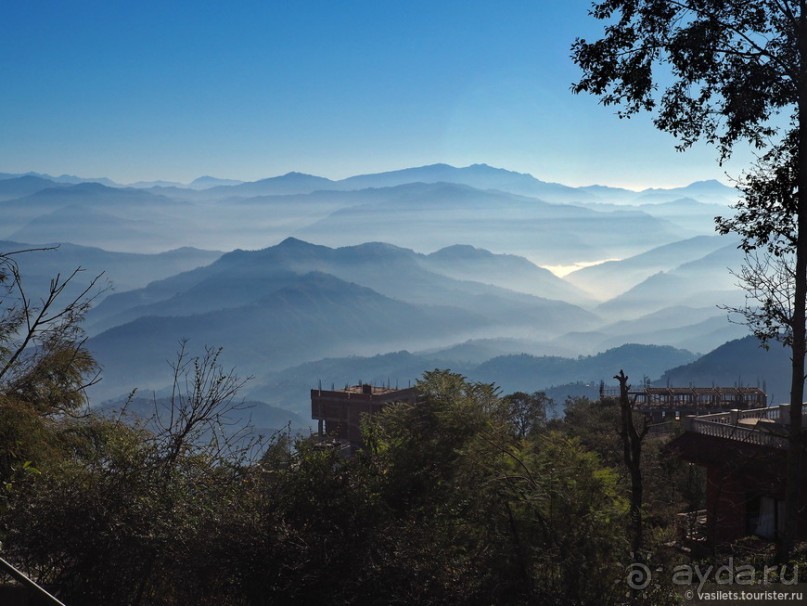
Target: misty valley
[(305, 281)]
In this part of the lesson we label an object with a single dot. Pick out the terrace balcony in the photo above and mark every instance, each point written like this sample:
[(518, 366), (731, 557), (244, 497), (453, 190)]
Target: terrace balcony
[(767, 426)]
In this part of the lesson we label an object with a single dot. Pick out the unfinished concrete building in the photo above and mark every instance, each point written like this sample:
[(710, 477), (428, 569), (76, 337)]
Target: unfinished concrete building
[(667, 403), (339, 412)]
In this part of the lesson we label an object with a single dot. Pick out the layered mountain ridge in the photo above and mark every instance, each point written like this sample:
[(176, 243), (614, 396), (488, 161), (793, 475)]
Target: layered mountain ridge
[(427, 259)]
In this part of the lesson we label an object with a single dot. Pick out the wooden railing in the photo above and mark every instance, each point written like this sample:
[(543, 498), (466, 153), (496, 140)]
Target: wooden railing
[(769, 430)]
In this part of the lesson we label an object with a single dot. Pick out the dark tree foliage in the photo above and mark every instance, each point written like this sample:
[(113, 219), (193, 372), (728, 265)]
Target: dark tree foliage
[(44, 366), (725, 72), (766, 218), (43, 361), (526, 412), (730, 66), (123, 515), (447, 503)]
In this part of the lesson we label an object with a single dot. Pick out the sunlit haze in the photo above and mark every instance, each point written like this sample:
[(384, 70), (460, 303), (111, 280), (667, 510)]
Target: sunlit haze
[(565, 270)]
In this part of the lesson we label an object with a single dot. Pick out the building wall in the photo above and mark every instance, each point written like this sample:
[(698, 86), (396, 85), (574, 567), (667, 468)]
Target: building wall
[(340, 412), (725, 506), (732, 502)]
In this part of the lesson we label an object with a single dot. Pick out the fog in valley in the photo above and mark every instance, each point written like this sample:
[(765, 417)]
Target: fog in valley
[(305, 281)]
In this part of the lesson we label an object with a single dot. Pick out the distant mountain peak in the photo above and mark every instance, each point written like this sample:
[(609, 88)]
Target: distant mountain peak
[(460, 248), (481, 166), (297, 173), (294, 247), (206, 181), (708, 182), (287, 248), (294, 176), (461, 251), (292, 242)]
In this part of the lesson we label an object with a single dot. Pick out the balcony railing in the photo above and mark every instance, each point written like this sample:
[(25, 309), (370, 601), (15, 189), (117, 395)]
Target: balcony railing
[(760, 426)]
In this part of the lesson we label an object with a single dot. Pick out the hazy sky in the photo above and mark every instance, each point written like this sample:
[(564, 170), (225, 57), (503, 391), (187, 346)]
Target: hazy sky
[(143, 90)]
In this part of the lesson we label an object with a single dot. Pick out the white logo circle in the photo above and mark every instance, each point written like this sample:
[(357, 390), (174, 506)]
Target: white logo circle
[(638, 576)]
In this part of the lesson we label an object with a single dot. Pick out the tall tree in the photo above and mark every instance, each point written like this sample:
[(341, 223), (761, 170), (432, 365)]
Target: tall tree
[(632, 454), (723, 71), (44, 365), (765, 217), (43, 361), (526, 412)]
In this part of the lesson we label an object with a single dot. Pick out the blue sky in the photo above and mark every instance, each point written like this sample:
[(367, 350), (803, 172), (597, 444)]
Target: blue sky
[(251, 89)]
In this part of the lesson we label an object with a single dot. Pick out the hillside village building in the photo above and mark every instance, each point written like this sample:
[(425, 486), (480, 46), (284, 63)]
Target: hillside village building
[(745, 454), (339, 412), (729, 431), (741, 443)]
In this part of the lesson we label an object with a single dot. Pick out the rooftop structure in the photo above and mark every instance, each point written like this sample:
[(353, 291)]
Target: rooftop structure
[(339, 412), (660, 403)]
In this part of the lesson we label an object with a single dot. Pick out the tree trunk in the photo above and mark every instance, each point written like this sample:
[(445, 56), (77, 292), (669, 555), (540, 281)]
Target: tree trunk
[(632, 450), (794, 451)]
